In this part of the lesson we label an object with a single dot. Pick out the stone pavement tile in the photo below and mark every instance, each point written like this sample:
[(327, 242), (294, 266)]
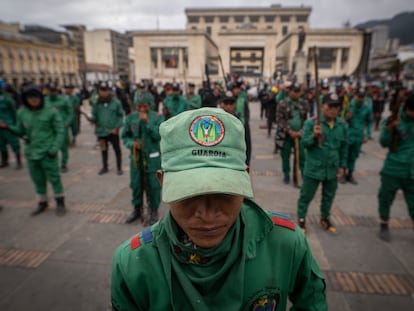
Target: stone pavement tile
[(367, 205), (378, 303), (401, 247), (94, 243), (43, 232), (358, 250), (337, 302), (94, 188), (11, 278), (62, 286)]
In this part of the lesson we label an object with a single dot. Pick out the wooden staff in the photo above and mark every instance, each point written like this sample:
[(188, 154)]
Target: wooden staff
[(317, 99), (297, 161)]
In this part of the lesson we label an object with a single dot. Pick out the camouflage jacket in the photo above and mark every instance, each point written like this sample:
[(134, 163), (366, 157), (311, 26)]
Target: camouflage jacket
[(285, 113)]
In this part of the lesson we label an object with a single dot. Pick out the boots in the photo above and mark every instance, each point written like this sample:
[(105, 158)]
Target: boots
[(18, 161), (4, 159), (40, 208), (384, 233), (350, 178), (154, 216), (302, 224), (136, 214), (60, 206)]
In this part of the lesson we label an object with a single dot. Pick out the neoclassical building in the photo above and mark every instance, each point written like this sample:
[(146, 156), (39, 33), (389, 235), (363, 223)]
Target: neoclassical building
[(25, 57), (253, 42)]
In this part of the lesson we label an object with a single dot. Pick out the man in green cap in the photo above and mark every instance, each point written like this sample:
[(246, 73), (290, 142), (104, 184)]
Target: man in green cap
[(215, 249), (8, 115), (193, 99), (107, 114), (175, 103), (326, 145), (140, 134), (43, 130), (75, 103), (56, 101), (398, 170), (291, 114), (359, 121)]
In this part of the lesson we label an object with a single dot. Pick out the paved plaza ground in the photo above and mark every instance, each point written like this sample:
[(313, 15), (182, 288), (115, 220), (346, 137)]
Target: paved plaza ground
[(64, 263)]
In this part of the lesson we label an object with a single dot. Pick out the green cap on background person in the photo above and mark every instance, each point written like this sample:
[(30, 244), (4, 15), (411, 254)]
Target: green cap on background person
[(331, 99), (143, 98), (203, 152)]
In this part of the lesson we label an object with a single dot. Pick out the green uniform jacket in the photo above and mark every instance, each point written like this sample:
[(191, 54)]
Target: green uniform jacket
[(63, 106), (107, 115), (175, 104), (43, 129), (400, 163), (361, 118), (322, 163), (74, 101), (242, 107), (194, 102), (134, 129), (278, 265), (7, 109)]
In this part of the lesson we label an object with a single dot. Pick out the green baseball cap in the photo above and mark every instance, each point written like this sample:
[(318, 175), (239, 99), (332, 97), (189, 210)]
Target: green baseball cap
[(203, 152), (143, 98)]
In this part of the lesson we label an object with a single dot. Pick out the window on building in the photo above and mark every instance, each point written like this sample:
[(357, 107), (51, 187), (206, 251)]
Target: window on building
[(238, 57), (284, 30), (239, 19), (269, 27), (269, 18), (185, 57), (21, 53), (223, 27), (12, 67), (10, 52), (224, 19), (345, 57), (193, 19), (23, 66), (209, 19), (254, 18), (285, 18), (208, 30), (170, 57), (301, 18), (38, 55), (1, 63), (326, 57), (253, 57), (237, 69), (194, 28), (154, 57)]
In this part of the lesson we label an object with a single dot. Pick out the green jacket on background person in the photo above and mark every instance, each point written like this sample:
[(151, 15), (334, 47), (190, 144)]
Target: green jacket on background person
[(62, 105), (7, 109), (399, 163), (175, 104), (134, 129), (43, 129), (107, 115), (322, 163), (361, 118)]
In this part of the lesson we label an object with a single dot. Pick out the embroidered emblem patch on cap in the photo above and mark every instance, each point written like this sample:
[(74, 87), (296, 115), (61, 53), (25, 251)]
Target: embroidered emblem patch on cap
[(207, 130)]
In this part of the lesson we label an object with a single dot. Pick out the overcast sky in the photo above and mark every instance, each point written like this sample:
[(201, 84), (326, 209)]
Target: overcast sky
[(124, 15)]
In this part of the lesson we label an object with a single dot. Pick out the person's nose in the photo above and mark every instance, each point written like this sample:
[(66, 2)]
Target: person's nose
[(205, 209)]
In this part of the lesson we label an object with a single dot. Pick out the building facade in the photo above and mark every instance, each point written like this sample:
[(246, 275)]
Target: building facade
[(251, 42), (106, 55), (26, 58)]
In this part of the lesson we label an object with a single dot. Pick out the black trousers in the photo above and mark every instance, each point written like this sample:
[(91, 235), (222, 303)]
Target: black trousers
[(114, 140)]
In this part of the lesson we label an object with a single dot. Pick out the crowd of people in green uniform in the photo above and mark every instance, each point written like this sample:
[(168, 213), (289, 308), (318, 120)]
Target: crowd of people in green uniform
[(177, 134)]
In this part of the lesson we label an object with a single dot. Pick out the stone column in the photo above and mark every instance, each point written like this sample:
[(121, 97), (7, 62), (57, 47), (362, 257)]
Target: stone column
[(160, 67), (180, 62), (338, 62)]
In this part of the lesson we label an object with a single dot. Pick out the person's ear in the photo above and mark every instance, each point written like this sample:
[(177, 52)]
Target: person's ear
[(160, 176)]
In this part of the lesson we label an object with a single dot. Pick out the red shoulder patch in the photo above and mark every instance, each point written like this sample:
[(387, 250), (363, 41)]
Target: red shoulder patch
[(135, 242), (283, 223)]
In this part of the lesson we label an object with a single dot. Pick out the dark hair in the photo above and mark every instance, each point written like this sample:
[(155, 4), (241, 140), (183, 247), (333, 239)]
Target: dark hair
[(409, 103)]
